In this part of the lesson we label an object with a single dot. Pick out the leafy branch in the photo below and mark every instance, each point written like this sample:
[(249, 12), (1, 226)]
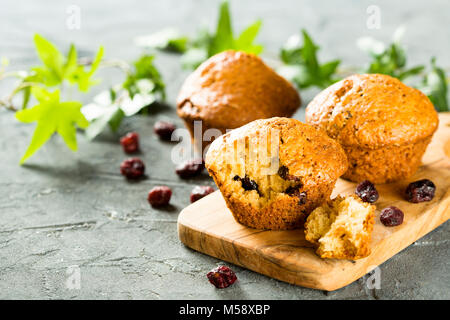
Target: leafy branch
[(205, 44), (391, 60), (52, 116), (435, 86), (301, 66), (388, 59), (143, 85)]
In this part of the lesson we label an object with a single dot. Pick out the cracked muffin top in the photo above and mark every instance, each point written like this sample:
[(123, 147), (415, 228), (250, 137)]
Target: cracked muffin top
[(233, 88), (276, 153), (372, 111)]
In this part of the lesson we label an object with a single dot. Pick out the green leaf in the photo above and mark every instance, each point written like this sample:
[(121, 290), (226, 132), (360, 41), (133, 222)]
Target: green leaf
[(223, 38), (328, 69), (304, 78), (111, 106), (26, 97), (302, 66), (388, 59), (99, 124), (435, 86), (137, 103), (142, 87), (78, 75), (56, 67), (205, 44), (293, 56), (309, 54), (97, 60), (116, 120), (50, 56), (398, 55), (42, 95), (52, 116), (177, 45), (245, 40), (411, 72), (145, 69), (45, 76), (71, 64)]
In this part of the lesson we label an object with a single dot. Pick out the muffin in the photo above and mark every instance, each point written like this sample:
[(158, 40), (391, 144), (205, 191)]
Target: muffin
[(342, 228), (383, 125), (231, 89), (273, 172)]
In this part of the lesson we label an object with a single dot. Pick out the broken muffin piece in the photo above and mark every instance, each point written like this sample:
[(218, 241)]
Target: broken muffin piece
[(342, 228)]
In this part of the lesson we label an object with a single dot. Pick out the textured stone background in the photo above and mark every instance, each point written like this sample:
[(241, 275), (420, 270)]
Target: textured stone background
[(65, 209)]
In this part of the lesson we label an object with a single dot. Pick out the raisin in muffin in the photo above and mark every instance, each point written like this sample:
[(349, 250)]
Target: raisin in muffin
[(231, 89), (342, 228), (383, 125), (273, 172)]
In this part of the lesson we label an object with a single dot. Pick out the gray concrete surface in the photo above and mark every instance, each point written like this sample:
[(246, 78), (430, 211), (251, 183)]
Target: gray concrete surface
[(64, 209)]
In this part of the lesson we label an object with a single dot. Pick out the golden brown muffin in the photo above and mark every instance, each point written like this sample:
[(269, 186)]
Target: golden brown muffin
[(273, 172), (342, 228), (231, 89), (383, 125)]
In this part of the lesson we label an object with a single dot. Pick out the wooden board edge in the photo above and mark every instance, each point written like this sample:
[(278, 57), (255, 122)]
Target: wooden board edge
[(241, 257)]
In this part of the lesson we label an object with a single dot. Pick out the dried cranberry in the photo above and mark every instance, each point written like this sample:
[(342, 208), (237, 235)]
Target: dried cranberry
[(283, 172), (420, 191), (190, 168), (247, 183), (221, 277), (295, 192), (292, 191), (367, 191), (391, 216), (159, 196), (132, 168), (130, 142), (164, 129), (200, 191)]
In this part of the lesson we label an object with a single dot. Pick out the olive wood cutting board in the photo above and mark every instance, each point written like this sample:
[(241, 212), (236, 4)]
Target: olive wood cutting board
[(208, 226)]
